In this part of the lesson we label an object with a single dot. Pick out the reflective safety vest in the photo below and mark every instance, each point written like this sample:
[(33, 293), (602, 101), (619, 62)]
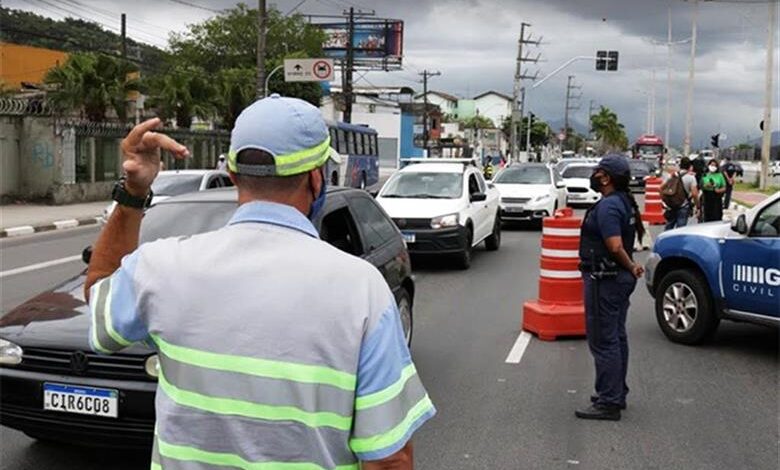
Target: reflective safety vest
[(276, 350)]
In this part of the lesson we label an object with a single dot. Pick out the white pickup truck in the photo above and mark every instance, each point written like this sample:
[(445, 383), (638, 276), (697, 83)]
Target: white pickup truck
[(443, 206)]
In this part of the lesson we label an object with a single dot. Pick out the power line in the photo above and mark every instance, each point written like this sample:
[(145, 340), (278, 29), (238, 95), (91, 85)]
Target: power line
[(193, 5)]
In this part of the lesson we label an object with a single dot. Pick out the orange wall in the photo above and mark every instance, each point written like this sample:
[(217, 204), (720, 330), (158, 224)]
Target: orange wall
[(26, 63)]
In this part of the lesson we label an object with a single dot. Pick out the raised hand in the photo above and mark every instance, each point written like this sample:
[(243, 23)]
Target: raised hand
[(141, 151)]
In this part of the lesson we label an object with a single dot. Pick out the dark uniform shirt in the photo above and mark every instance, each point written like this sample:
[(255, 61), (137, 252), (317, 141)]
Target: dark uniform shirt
[(612, 216), (729, 169)]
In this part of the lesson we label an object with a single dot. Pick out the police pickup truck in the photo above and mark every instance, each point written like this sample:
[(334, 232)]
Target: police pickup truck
[(703, 273)]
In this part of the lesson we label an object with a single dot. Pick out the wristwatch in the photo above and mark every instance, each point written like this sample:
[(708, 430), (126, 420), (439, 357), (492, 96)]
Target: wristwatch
[(123, 198)]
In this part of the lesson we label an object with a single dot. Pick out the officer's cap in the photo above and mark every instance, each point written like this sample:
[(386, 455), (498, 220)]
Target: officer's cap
[(291, 130), (615, 165)]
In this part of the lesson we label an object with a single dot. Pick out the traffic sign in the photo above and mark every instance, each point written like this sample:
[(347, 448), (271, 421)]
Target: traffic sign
[(308, 70)]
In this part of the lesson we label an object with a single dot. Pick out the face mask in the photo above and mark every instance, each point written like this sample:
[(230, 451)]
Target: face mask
[(595, 183), (713, 168), (319, 203)]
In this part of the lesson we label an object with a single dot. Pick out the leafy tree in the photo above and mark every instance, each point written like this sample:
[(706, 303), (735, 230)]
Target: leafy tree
[(479, 122), (540, 131), (182, 94), (235, 91), (227, 42), (608, 130), (92, 83)]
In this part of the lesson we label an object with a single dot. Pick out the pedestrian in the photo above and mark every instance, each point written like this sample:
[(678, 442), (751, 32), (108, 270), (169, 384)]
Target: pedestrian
[(713, 186), (276, 349), (488, 170), (729, 171), (699, 168), (680, 195), (609, 274), (221, 163)]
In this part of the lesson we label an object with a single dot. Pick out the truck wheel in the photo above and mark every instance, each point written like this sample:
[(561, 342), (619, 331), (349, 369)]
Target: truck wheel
[(464, 258), (405, 311), (493, 242), (684, 308)]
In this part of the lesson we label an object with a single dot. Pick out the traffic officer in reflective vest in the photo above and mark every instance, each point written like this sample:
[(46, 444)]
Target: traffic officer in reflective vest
[(609, 274), (276, 349)]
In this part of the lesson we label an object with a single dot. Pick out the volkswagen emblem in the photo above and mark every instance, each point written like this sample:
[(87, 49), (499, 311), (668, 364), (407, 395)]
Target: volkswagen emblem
[(79, 362)]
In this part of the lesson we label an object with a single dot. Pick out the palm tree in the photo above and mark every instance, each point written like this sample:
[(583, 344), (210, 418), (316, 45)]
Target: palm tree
[(608, 130), (92, 83), (183, 94), (235, 91)]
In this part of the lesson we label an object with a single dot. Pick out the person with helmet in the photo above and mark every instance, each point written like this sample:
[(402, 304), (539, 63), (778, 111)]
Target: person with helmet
[(276, 349), (609, 274), (488, 169)]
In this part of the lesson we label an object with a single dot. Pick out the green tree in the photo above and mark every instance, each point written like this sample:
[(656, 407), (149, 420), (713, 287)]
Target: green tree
[(93, 84), (182, 94), (225, 46), (610, 133), (478, 122), (540, 131)]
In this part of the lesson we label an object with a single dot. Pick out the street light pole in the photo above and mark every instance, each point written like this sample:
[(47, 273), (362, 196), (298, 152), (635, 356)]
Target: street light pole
[(668, 119), (691, 76), (766, 141)]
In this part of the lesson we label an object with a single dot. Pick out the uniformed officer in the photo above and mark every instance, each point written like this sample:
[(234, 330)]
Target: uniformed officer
[(276, 350), (609, 274)]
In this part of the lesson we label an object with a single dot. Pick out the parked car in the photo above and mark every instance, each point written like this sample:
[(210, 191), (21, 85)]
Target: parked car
[(176, 182), (774, 169), (577, 180), (530, 192), (45, 353), (704, 273), (640, 170), (443, 207)]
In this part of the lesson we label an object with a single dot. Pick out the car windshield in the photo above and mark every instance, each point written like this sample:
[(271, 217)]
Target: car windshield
[(524, 175), (578, 172), (185, 219), (174, 184), (425, 186), (649, 149)]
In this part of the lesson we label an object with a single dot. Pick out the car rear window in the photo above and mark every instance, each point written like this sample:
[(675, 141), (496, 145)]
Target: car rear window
[(174, 185), (185, 219)]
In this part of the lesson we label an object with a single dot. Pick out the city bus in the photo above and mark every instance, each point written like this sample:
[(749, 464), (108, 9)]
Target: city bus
[(359, 150), (649, 147)]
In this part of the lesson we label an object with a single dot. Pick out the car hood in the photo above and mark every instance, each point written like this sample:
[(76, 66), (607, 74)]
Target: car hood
[(718, 229), (419, 208), (523, 190), (58, 318), (577, 182)]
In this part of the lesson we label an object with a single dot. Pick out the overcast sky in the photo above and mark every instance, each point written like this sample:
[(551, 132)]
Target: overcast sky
[(473, 44)]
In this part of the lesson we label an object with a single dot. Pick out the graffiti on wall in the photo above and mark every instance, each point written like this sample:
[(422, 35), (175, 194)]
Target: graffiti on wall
[(42, 155)]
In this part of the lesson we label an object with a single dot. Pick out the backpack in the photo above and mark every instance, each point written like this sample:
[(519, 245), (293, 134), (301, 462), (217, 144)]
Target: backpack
[(673, 192)]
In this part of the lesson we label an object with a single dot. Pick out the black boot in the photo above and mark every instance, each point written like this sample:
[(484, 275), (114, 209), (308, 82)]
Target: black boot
[(594, 411), (594, 398)]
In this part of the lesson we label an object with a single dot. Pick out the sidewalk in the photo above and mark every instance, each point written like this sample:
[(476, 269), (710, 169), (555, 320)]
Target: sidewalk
[(24, 219), (749, 198)]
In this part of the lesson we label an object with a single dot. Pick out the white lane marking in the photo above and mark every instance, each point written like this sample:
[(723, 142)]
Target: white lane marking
[(517, 351), (18, 231), (35, 267)]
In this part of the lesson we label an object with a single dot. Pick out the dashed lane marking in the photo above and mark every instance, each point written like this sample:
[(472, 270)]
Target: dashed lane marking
[(517, 351), (37, 266)]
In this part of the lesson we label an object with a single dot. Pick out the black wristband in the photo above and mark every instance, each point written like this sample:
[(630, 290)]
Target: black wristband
[(124, 198)]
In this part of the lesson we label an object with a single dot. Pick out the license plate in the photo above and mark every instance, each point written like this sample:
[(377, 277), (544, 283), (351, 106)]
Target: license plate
[(514, 209), (576, 196), (409, 237), (81, 400)]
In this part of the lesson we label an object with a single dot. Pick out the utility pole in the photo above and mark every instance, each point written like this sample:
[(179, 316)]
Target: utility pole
[(518, 91), (426, 75), (766, 141), (261, 31), (124, 37), (691, 76), (569, 106), (668, 120), (591, 107), (348, 65)]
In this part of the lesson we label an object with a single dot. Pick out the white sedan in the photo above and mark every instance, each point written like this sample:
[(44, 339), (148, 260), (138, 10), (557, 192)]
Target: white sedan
[(529, 192), (175, 182), (577, 180)]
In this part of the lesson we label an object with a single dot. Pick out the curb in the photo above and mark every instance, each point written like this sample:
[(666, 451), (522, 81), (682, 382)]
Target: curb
[(47, 227)]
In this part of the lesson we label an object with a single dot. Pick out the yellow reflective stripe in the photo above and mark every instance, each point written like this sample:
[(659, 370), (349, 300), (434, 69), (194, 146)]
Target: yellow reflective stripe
[(180, 452), (259, 367), (95, 296), (381, 441), (110, 322), (156, 466), (232, 406), (293, 163), (383, 396)]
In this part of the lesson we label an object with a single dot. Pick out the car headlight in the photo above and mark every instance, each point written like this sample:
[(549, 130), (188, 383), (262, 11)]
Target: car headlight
[(449, 220), (152, 366), (10, 353), (543, 197)]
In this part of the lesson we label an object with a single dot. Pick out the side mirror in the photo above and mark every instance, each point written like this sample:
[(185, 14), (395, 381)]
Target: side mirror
[(560, 184), (490, 185), (86, 255), (740, 225), (374, 193), (477, 197)]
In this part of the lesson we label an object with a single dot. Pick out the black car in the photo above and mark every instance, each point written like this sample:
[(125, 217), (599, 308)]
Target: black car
[(49, 332), (640, 169)]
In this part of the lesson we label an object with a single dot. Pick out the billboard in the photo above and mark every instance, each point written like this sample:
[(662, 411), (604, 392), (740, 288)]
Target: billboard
[(376, 39)]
